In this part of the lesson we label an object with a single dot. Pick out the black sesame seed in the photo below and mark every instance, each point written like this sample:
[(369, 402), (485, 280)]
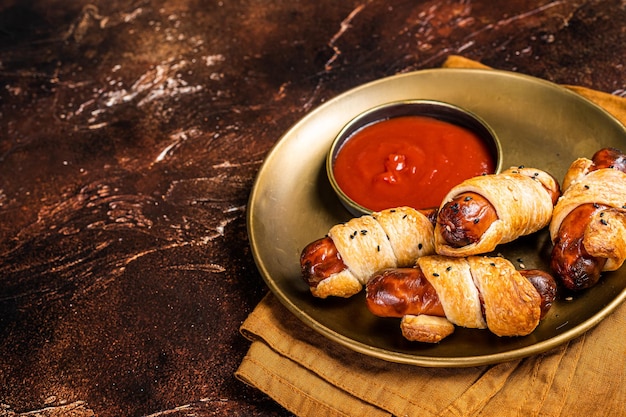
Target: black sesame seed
[(602, 214), (536, 174), (596, 205), (468, 198), (351, 236), (604, 222), (476, 220), (378, 248), (521, 167), (492, 264), (586, 187), (364, 232), (435, 274), (405, 216), (420, 246), (449, 268), (392, 210)]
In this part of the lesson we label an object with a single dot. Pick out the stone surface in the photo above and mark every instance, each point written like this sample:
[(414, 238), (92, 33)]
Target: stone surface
[(130, 137)]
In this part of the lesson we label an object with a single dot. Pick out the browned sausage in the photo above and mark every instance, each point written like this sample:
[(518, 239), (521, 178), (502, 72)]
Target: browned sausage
[(400, 291), (430, 213), (609, 158), (320, 259), (570, 261), (465, 219), (397, 292), (545, 285)]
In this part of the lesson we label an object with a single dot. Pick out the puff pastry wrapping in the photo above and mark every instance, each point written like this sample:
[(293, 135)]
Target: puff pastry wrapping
[(424, 328), (577, 170), (605, 234), (453, 281), (386, 239), (521, 202), (511, 303), (484, 292)]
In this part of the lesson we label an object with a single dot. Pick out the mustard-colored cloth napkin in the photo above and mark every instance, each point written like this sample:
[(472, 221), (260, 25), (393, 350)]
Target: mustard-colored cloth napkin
[(312, 376)]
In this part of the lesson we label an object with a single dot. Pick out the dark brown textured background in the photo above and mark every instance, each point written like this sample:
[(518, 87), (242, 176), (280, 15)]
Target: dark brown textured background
[(130, 136)]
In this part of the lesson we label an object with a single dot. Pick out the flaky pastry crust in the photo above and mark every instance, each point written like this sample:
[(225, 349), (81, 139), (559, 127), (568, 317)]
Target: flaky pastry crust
[(341, 284), (410, 233), (363, 246), (521, 202), (424, 328), (483, 292), (452, 279), (390, 238), (578, 169), (512, 305), (605, 235)]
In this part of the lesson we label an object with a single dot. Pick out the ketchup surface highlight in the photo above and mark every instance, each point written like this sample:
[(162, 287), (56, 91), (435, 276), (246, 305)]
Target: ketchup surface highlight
[(409, 161)]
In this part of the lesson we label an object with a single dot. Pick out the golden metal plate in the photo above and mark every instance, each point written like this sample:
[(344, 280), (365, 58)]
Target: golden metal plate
[(292, 203)]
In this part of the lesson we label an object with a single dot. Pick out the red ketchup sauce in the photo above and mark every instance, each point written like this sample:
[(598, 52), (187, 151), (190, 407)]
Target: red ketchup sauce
[(409, 161)]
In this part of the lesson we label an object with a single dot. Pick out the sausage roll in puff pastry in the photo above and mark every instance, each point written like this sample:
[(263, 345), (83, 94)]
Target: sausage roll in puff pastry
[(342, 262), (474, 292), (521, 200), (588, 226)]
